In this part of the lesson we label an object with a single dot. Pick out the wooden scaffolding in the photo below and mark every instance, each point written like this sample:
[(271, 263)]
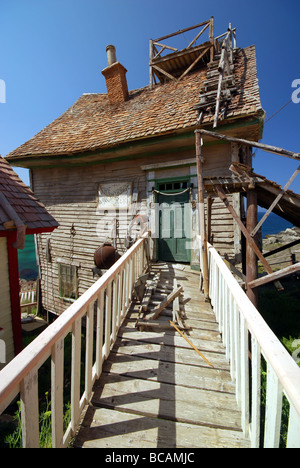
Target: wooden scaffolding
[(242, 180), (178, 63), (216, 53)]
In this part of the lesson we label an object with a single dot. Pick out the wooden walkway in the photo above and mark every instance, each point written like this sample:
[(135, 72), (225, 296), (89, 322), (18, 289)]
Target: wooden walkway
[(156, 391)]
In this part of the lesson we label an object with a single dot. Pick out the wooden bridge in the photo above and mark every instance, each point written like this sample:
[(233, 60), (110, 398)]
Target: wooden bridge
[(151, 388), (153, 381)]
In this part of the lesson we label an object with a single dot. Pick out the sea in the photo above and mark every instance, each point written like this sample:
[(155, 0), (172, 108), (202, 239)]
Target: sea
[(273, 224), (28, 269), (27, 258)]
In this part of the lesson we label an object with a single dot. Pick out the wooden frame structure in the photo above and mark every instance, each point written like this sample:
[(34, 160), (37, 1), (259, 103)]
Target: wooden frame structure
[(180, 62), (252, 250)]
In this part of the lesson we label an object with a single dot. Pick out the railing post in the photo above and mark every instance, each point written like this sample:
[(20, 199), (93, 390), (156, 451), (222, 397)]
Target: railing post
[(114, 308), (107, 320), (21, 374), (119, 299), (293, 440), (99, 335), (238, 320), (30, 410), (244, 376), (123, 287), (75, 374), (57, 387), (237, 354), (89, 351), (256, 392), (273, 409)]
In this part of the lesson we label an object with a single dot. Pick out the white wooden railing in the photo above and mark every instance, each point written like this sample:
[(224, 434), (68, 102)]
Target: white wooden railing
[(246, 334), (28, 301), (98, 313)]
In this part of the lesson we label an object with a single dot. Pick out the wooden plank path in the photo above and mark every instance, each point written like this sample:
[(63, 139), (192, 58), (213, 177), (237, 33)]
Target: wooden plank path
[(156, 391)]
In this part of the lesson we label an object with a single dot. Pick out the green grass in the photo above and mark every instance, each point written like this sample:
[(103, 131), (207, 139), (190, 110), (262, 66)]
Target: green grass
[(10, 432), (281, 311), (13, 437)]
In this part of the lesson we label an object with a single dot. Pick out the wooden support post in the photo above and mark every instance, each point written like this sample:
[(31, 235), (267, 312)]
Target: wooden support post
[(202, 230), (279, 196), (254, 144), (251, 258), (211, 39), (210, 201), (150, 64), (244, 230)]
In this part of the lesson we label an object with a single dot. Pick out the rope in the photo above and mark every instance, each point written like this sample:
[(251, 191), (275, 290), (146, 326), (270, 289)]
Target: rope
[(172, 194), (278, 111)]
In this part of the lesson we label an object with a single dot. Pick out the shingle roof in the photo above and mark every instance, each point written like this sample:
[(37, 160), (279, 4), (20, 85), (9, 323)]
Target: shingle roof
[(31, 212), (92, 123)]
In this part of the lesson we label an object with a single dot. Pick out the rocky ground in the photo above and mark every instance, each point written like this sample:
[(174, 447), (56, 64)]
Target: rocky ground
[(27, 285), (286, 257)]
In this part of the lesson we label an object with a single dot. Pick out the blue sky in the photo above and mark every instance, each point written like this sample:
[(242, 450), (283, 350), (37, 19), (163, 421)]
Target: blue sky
[(52, 51)]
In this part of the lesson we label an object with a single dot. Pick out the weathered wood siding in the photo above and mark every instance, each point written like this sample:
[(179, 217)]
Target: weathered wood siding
[(70, 194), (5, 306)]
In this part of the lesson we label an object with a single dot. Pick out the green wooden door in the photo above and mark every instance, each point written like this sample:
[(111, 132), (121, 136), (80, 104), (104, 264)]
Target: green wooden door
[(174, 227)]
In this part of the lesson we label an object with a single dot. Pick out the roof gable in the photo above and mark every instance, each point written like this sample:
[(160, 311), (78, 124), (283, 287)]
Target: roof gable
[(21, 199), (93, 123)]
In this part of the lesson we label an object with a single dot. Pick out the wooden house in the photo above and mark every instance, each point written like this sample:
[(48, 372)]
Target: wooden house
[(113, 156), (21, 214)]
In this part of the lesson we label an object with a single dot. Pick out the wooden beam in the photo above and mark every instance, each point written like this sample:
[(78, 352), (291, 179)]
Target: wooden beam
[(164, 303), (211, 39), (151, 50), (280, 249), (164, 46), (193, 64), (275, 275), (163, 72), (202, 230), (254, 144), (181, 53), (279, 196), (181, 31), (234, 270), (198, 35), (21, 227), (191, 344), (251, 258), (14, 290), (155, 324), (223, 197)]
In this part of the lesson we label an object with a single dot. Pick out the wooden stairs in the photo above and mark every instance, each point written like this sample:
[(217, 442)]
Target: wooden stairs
[(156, 391)]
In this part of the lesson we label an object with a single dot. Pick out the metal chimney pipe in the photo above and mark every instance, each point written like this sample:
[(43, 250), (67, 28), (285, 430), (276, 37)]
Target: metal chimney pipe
[(111, 54)]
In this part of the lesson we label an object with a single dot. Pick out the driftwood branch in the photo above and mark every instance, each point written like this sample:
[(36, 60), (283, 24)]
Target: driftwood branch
[(254, 144), (275, 276), (164, 303)]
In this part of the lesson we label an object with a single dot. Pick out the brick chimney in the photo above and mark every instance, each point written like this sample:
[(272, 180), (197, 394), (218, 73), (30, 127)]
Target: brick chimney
[(115, 77)]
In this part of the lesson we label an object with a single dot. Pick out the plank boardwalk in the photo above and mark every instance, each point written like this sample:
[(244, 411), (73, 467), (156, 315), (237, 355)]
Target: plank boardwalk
[(156, 391)]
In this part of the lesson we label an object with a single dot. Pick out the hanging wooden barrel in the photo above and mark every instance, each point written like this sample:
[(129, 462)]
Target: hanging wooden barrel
[(106, 256)]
